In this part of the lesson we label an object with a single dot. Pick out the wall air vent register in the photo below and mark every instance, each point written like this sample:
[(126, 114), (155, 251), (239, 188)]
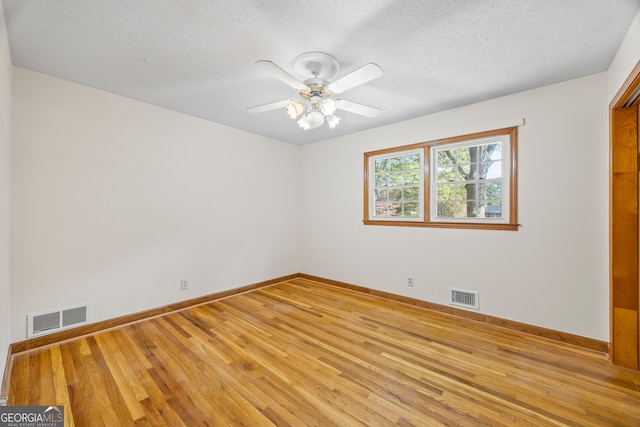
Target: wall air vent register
[(464, 298), (57, 320)]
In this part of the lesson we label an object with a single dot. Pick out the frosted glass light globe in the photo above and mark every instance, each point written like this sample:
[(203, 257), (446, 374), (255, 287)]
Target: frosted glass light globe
[(315, 119)]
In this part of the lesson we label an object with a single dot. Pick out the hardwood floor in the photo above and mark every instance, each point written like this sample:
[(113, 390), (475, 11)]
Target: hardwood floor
[(304, 353)]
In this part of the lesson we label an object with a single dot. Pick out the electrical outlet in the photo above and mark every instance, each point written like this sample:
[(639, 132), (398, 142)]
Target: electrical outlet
[(410, 281), (184, 285)]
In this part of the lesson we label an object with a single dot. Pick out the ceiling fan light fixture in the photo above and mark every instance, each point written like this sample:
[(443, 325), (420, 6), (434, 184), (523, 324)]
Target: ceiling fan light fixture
[(333, 121), (294, 109), (315, 119), (316, 103), (304, 123), (328, 107)]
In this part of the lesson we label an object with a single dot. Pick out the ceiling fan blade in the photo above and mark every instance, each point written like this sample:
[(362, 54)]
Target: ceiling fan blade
[(354, 107), (282, 75), (360, 76), (271, 106)]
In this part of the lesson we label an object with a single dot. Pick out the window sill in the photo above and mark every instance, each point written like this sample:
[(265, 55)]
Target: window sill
[(461, 225)]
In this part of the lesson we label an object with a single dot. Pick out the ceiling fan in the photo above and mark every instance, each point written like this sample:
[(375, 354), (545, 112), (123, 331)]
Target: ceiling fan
[(318, 101)]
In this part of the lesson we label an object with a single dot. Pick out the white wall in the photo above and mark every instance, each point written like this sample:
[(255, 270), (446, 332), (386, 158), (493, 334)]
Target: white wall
[(115, 201), (627, 57), (6, 71), (553, 272)]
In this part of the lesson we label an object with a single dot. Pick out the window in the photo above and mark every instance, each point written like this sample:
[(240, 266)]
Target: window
[(397, 185), (462, 182), (468, 181)]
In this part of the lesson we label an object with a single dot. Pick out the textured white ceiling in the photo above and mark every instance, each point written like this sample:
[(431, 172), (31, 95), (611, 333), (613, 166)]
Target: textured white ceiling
[(197, 56)]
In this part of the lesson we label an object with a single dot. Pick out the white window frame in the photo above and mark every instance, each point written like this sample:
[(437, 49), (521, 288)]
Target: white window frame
[(372, 186), (504, 140)]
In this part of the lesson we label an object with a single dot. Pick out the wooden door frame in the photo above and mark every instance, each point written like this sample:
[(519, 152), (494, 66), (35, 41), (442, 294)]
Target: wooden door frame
[(624, 254)]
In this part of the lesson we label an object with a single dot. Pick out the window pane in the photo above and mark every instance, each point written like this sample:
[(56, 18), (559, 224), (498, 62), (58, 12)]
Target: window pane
[(412, 176), (465, 209), (411, 193), (493, 209), (381, 165), (466, 154), (395, 164), (496, 154), (382, 179), (382, 195), (412, 162), (488, 152), (462, 192), (492, 169), (446, 174), (411, 209), (446, 192), (446, 157), (491, 190), (445, 209), (395, 194), (381, 209), (464, 172), (395, 209), (395, 178), (474, 173), (485, 151)]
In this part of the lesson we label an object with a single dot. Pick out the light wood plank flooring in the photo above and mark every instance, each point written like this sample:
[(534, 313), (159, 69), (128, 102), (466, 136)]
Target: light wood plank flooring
[(302, 353)]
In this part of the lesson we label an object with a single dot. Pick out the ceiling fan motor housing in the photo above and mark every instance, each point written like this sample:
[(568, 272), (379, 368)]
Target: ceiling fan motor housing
[(315, 65)]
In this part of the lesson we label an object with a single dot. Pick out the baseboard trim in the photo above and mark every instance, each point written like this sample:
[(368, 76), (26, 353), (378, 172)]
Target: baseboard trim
[(51, 339), (563, 337), (92, 328)]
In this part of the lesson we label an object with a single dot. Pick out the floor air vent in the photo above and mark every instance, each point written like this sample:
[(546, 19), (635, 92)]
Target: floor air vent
[(464, 298), (53, 321)]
